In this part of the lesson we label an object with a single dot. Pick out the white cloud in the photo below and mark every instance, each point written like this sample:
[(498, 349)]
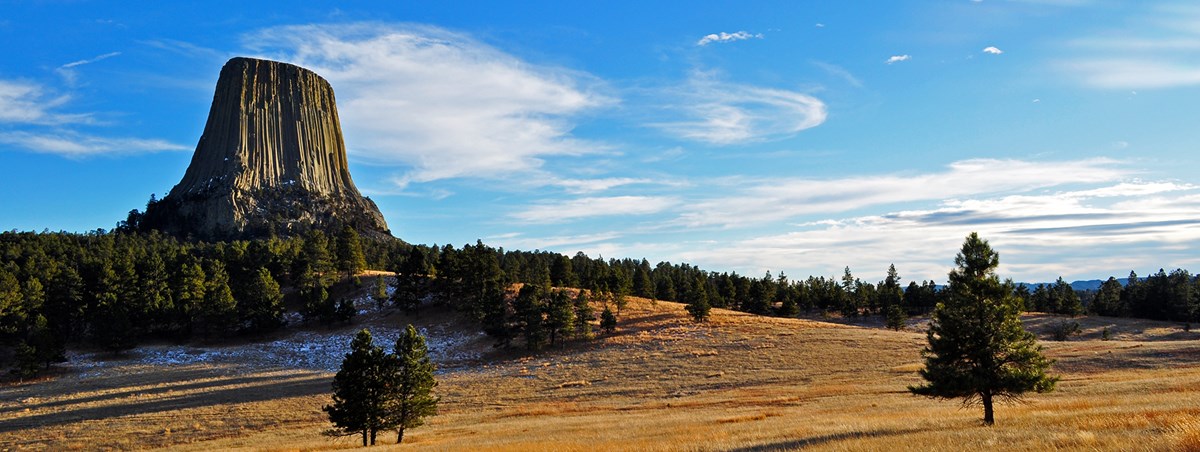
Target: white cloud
[(574, 209), (1039, 237), (726, 113), (898, 58), (29, 103), (770, 200), (440, 102), (68, 72), (518, 241), (579, 186), (1134, 73), (1159, 48), (839, 72), (992, 50), (40, 126), (74, 144), (727, 37)]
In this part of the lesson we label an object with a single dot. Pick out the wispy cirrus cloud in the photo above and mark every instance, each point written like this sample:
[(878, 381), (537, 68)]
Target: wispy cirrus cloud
[(723, 113), (727, 37), (36, 123), (1157, 49), (68, 71), (752, 201), (1039, 236), (31, 103), (588, 207), (74, 144), (412, 96), (898, 59)]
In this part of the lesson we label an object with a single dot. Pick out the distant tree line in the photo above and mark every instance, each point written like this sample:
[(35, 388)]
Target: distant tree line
[(116, 289)]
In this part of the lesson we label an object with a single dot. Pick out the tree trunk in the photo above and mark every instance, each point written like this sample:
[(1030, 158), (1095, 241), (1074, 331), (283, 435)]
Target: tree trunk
[(987, 409), (364, 435), (400, 434), (373, 437)]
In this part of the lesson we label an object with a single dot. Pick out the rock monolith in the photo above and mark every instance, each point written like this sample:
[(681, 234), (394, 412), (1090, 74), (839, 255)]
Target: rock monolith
[(271, 161)]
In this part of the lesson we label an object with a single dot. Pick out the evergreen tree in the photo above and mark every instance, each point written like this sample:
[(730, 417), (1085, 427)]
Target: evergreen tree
[(608, 321), (412, 281), (697, 300), (379, 292), (262, 306), (560, 316), (584, 315), (218, 314), (889, 295), (188, 293), (350, 259), (1108, 300), (412, 385), (362, 391), (1067, 301), (894, 317), (530, 307), (978, 351)]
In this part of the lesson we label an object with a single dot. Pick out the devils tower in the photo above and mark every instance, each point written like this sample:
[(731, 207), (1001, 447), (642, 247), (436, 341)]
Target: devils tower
[(271, 161)]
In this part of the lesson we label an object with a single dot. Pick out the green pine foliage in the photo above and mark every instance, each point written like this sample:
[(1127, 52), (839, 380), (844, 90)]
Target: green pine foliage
[(978, 350), (262, 305), (697, 301), (608, 321), (411, 399), (350, 258), (362, 387), (584, 316)]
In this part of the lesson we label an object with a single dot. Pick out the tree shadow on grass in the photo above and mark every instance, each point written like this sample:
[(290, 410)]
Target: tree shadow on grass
[(265, 389), (811, 441)]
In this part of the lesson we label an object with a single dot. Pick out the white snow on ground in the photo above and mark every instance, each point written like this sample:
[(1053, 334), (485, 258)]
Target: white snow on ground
[(322, 351)]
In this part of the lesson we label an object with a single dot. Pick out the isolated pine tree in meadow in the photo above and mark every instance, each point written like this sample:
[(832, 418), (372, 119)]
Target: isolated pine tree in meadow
[(411, 399), (978, 350), (361, 389)]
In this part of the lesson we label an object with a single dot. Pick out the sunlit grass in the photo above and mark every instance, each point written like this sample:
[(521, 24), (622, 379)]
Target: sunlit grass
[(662, 383)]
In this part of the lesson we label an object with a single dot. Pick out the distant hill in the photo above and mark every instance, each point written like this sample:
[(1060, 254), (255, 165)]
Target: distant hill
[(1090, 284)]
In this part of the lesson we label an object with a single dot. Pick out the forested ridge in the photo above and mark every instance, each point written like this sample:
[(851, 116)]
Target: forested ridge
[(113, 290)]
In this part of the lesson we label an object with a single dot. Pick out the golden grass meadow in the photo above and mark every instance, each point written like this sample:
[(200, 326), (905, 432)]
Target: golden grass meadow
[(738, 382)]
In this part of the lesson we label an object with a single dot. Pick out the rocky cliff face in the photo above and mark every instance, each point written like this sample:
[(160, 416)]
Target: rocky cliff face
[(271, 161)]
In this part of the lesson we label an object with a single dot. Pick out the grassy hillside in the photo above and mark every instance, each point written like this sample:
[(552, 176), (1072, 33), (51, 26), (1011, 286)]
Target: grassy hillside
[(739, 382)]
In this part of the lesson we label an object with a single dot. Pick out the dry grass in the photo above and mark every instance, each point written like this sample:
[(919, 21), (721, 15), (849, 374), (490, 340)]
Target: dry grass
[(661, 383)]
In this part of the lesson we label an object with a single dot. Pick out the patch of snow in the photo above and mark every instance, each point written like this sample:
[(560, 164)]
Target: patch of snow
[(322, 351)]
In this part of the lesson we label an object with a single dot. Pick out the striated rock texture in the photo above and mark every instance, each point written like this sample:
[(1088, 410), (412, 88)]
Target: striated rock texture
[(271, 161)]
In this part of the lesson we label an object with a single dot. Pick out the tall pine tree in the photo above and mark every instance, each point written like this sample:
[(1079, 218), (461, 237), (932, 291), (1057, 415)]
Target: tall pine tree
[(412, 385), (978, 351)]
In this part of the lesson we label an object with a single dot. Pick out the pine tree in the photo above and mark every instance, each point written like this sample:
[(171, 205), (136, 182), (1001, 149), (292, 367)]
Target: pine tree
[(560, 316), (362, 390), (608, 321), (697, 300), (188, 293), (412, 397), (584, 315), (218, 314), (350, 259), (978, 351), (379, 292), (263, 303), (894, 317)]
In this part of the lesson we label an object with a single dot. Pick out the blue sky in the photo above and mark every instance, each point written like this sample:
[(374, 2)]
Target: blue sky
[(748, 136)]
